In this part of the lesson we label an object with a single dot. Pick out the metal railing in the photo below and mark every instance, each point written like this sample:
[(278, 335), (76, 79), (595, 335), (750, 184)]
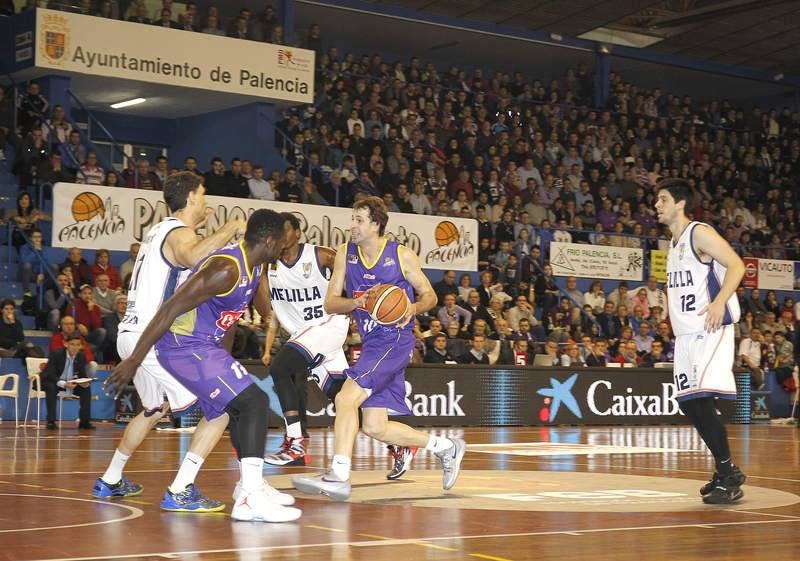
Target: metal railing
[(129, 162)]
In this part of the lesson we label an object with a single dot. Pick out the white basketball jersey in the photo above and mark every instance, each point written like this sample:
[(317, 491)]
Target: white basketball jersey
[(153, 279), (298, 289), (693, 284)]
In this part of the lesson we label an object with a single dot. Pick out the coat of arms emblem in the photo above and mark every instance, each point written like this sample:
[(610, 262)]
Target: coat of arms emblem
[(54, 40)]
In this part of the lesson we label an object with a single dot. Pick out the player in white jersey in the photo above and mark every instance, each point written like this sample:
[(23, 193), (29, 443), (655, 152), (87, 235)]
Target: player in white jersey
[(170, 249), (298, 284), (703, 273)]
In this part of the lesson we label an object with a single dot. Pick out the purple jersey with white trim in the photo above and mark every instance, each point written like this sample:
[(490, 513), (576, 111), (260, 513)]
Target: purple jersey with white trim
[(211, 319), (359, 277), (386, 350)]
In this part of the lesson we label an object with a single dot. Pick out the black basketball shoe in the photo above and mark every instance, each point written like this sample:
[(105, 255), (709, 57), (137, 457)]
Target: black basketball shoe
[(727, 489), (736, 473)]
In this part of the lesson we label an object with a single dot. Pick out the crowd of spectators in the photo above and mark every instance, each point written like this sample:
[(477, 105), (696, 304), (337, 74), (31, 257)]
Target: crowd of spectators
[(531, 160), (246, 24)]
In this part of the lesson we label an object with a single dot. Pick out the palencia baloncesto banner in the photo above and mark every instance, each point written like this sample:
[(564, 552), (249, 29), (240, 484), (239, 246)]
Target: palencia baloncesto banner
[(94, 217), (149, 53)]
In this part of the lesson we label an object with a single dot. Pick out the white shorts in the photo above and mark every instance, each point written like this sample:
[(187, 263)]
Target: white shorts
[(152, 381), (704, 365), (322, 344)]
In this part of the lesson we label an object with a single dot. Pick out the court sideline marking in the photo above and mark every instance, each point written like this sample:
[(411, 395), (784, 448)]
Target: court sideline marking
[(412, 541)]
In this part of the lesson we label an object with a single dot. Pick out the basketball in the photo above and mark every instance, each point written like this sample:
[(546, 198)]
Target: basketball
[(86, 206), (387, 304), (446, 233)]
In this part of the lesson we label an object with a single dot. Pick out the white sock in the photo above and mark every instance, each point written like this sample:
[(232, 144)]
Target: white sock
[(113, 473), (294, 430), (187, 473), (438, 443), (252, 474), (341, 467)]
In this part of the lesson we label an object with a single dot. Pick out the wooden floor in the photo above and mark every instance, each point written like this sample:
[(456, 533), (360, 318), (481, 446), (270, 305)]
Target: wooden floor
[(561, 493)]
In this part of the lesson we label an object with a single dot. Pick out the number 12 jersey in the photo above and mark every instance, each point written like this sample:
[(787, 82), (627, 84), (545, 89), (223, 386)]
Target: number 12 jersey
[(692, 284)]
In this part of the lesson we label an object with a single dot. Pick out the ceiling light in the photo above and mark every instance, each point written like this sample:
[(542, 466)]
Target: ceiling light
[(128, 103)]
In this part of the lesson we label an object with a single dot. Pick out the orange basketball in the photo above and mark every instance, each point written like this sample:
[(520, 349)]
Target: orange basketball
[(446, 233), (86, 206), (387, 304)]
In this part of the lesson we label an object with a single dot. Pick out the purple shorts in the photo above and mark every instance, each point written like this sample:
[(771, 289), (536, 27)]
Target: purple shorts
[(381, 369), (205, 369)]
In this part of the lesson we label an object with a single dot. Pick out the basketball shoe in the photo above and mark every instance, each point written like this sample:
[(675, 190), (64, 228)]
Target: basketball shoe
[(324, 484), (724, 489), (291, 453), (450, 459), (257, 506), (190, 500), (738, 479), (402, 456), (283, 499), (122, 488)]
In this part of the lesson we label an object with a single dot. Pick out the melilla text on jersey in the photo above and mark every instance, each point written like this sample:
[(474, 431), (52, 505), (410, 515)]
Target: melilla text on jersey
[(305, 294), (679, 279)]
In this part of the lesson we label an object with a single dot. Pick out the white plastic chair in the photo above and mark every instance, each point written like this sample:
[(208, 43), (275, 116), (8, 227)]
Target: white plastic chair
[(35, 391), (13, 392), (34, 366)]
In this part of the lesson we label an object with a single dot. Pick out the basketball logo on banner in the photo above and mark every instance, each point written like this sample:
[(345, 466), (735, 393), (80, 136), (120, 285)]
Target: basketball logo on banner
[(750, 272), (93, 219)]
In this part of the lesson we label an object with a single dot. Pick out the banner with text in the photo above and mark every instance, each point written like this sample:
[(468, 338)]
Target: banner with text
[(90, 216), (769, 274), (596, 262), (149, 53), (446, 396), (658, 264)]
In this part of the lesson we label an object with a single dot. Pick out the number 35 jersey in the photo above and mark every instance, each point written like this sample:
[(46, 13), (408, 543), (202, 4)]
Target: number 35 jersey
[(692, 284), (297, 290)]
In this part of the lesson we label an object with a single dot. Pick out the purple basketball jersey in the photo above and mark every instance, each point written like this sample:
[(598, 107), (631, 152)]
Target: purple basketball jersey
[(191, 350), (359, 278), (211, 319), (386, 350)]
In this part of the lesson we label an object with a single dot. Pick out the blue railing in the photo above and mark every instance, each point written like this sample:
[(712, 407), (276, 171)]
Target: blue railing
[(129, 162)]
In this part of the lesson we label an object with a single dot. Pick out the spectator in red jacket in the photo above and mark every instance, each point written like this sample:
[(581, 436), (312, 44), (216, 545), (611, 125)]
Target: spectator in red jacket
[(103, 266), (59, 338), (88, 318), (81, 272)]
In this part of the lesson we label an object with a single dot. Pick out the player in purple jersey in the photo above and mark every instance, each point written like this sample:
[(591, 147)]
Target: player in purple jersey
[(170, 248), (188, 332), (295, 362), (376, 382)]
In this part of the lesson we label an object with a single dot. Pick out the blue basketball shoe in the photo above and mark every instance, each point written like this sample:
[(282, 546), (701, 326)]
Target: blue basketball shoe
[(123, 488), (190, 500)]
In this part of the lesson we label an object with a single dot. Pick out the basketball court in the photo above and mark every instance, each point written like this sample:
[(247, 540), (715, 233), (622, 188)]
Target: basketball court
[(524, 494)]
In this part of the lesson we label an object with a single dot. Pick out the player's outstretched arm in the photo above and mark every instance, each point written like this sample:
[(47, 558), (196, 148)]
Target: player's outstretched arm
[(272, 331), (708, 242), (426, 297), (261, 300), (217, 277), (184, 248), (335, 303), (326, 257)]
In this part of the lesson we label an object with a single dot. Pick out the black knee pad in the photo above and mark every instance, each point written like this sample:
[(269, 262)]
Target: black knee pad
[(289, 362), (700, 406), (289, 370), (250, 399)]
